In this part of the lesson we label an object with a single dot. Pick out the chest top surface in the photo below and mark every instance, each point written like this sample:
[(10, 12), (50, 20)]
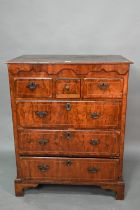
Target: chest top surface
[(70, 59)]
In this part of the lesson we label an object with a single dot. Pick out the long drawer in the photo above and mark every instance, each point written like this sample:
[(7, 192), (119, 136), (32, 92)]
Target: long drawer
[(69, 169), (69, 143), (72, 114)]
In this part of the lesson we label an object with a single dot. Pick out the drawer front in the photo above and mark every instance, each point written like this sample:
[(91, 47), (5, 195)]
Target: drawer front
[(67, 88), (73, 143), (99, 114), (35, 88), (69, 169), (102, 88)]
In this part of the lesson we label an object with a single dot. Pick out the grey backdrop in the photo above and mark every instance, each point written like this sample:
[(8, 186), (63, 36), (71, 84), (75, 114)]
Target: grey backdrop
[(70, 27)]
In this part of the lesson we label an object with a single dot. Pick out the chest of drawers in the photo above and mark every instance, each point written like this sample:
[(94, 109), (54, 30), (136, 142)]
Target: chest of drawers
[(69, 120)]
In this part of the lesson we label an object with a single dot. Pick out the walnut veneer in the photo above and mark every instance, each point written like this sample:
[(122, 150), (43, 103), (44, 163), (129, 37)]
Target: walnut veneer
[(69, 119)]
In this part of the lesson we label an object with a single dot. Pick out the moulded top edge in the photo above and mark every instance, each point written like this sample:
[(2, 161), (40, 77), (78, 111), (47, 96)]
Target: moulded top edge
[(70, 59)]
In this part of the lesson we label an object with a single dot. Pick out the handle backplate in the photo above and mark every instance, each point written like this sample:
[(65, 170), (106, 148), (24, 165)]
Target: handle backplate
[(32, 85), (41, 114), (66, 88), (103, 86), (43, 167), (95, 115), (43, 141), (93, 170), (94, 142)]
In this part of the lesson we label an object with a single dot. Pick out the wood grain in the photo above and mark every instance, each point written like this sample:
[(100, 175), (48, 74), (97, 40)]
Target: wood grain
[(69, 117), (79, 115), (74, 169), (32, 87), (102, 88), (67, 88), (80, 143)]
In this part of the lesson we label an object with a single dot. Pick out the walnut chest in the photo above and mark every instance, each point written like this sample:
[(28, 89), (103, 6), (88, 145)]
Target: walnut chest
[(69, 119)]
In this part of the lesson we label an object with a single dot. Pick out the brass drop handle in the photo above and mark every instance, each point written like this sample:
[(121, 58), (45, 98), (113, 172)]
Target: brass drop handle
[(94, 142), (92, 170), (68, 162), (95, 115), (66, 88), (43, 141), (41, 114), (68, 135), (68, 106), (103, 86), (32, 86), (43, 167)]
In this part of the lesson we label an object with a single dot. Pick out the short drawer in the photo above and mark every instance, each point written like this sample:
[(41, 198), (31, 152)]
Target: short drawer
[(36, 88), (69, 143), (73, 114), (102, 88), (69, 169), (67, 88)]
